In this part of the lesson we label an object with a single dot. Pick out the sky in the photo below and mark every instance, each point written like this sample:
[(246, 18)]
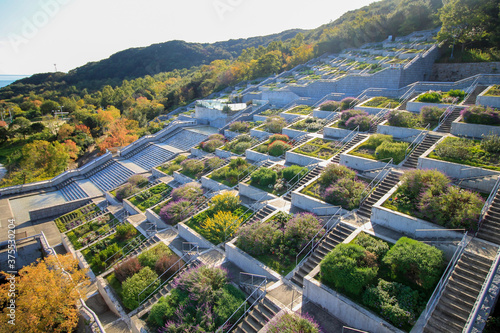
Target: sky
[(36, 34)]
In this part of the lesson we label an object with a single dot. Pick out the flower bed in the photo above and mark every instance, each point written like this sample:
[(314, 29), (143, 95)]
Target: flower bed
[(150, 197), (276, 180), (291, 323), (182, 203), (304, 110), (449, 97), (194, 168), (231, 174), (381, 102), (241, 127), (393, 281), (240, 144), (201, 298), (319, 148), (273, 124), (481, 115), (428, 115), (221, 219), (213, 142), (276, 241), (381, 147), (276, 146), (133, 185), (344, 104), (89, 232), (271, 112), (484, 153), (337, 185), (104, 253), (311, 125), (132, 276), (493, 91), (427, 194), (77, 217), (350, 119), (173, 165)]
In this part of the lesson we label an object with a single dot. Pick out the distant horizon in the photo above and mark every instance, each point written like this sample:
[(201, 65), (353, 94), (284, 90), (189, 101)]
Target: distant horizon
[(37, 35)]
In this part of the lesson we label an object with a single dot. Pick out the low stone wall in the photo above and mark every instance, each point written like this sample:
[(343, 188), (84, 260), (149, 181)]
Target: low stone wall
[(360, 163), (130, 208), (324, 114), (313, 205), (197, 152), (417, 106), (57, 210), (212, 184), (152, 217), (182, 179), (157, 173), (336, 133), (111, 199), (292, 133), (252, 155), (290, 116), (443, 72), (472, 130), (491, 101), (111, 301), (230, 134), (259, 134), (368, 109), (300, 159), (343, 308), (399, 133), (192, 236), (82, 263), (223, 153), (247, 263), (254, 193)]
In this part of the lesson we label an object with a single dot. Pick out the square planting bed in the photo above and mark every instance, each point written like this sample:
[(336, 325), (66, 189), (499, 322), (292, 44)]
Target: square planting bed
[(315, 150), (490, 97), (148, 198), (441, 101), (376, 104)]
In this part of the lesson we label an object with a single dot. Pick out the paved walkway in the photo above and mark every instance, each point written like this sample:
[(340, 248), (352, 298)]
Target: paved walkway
[(327, 322), (89, 188), (132, 166)]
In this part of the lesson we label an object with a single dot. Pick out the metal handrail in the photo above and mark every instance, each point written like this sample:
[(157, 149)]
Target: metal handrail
[(245, 302), (413, 145), (309, 169), (471, 88), (127, 253), (374, 183), (345, 141), (482, 294), (314, 244), (488, 203), (381, 114), (447, 113), (445, 277)]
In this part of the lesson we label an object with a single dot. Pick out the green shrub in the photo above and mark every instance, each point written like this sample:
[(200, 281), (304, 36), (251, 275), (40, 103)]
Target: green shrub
[(481, 115), (363, 121), (193, 167), (415, 182), (430, 97), (225, 202), (333, 172), (491, 143), (165, 308), (134, 285), (138, 180), (431, 114), (150, 257), (397, 303), (292, 323), (264, 177), (258, 238), (127, 268), (274, 124), (455, 148), (241, 147), (239, 127), (400, 118), (346, 192), (279, 137), (418, 262), (213, 163), (210, 145), (456, 93), (278, 148), (294, 172), (348, 103), (329, 106), (126, 231), (372, 244), (189, 192), (343, 268), (126, 191), (376, 140), (348, 114), (382, 102), (395, 150)]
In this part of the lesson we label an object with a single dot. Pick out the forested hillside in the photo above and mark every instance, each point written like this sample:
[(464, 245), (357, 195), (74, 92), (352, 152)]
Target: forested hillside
[(110, 112)]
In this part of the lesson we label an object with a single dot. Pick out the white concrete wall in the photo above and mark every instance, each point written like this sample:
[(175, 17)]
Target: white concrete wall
[(247, 263), (209, 114), (292, 133), (230, 134), (360, 163), (313, 205), (111, 199), (131, 209), (180, 178), (492, 101), (324, 114), (417, 106), (254, 193), (300, 159), (252, 155), (197, 152), (56, 210), (399, 133), (333, 132), (110, 299), (223, 153), (472, 130), (259, 134), (343, 308), (212, 184), (192, 236)]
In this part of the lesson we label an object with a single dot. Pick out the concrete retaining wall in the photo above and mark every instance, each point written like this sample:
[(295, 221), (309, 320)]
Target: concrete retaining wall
[(247, 263), (324, 114), (337, 133), (111, 301), (82, 263), (254, 193), (182, 179), (57, 210), (472, 130), (223, 153), (300, 159), (230, 134), (212, 184), (343, 308), (197, 152), (192, 236), (417, 106), (360, 163), (313, 205), (111, 199), (399, 133), (492, 101), (257, 117), (130, 208), (252, 155), (292, 133), (259, 134)]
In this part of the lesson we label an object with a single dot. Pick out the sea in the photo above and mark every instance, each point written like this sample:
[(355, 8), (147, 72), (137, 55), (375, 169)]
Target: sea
[(6, 79)]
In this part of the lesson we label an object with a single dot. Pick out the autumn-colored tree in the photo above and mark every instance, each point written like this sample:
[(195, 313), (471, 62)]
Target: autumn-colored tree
[(72, 149), (46, 298), (82, 129), (65, 132), (118, 136), (43, 159)]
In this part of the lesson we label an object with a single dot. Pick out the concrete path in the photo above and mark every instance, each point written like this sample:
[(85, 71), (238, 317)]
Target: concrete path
[(170, 148), (132, 166), (89, 188), (21, 206), (288, 297)]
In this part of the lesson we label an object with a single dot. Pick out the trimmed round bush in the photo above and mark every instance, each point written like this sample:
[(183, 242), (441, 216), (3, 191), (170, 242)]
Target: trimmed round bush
[(395, 150), (294, 172), (279, 137), (376, 140), (372, 244), (164, 264), (362, 121), (126, 191), (329, 106), (418, 262), (343, 269), (264, 177), (278, 148), (430, 97), (213, 163)]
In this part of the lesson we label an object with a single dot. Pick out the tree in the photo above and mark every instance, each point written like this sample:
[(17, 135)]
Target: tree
[(65, 132), (46, 299), (44, 159), (48, 106), (72, 148), (469, 21), (21, 125)]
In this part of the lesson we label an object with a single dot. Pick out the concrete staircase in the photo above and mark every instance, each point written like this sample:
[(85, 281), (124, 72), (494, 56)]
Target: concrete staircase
[(313, 173), (110, 177), (490, 226), (365, 210), (336, 236), (261, 214), (352, 143), (185, 140), (151, 156), (258, 317), (471, 100), (446, 125), (412, 160), (460, 294), (71, 190)]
